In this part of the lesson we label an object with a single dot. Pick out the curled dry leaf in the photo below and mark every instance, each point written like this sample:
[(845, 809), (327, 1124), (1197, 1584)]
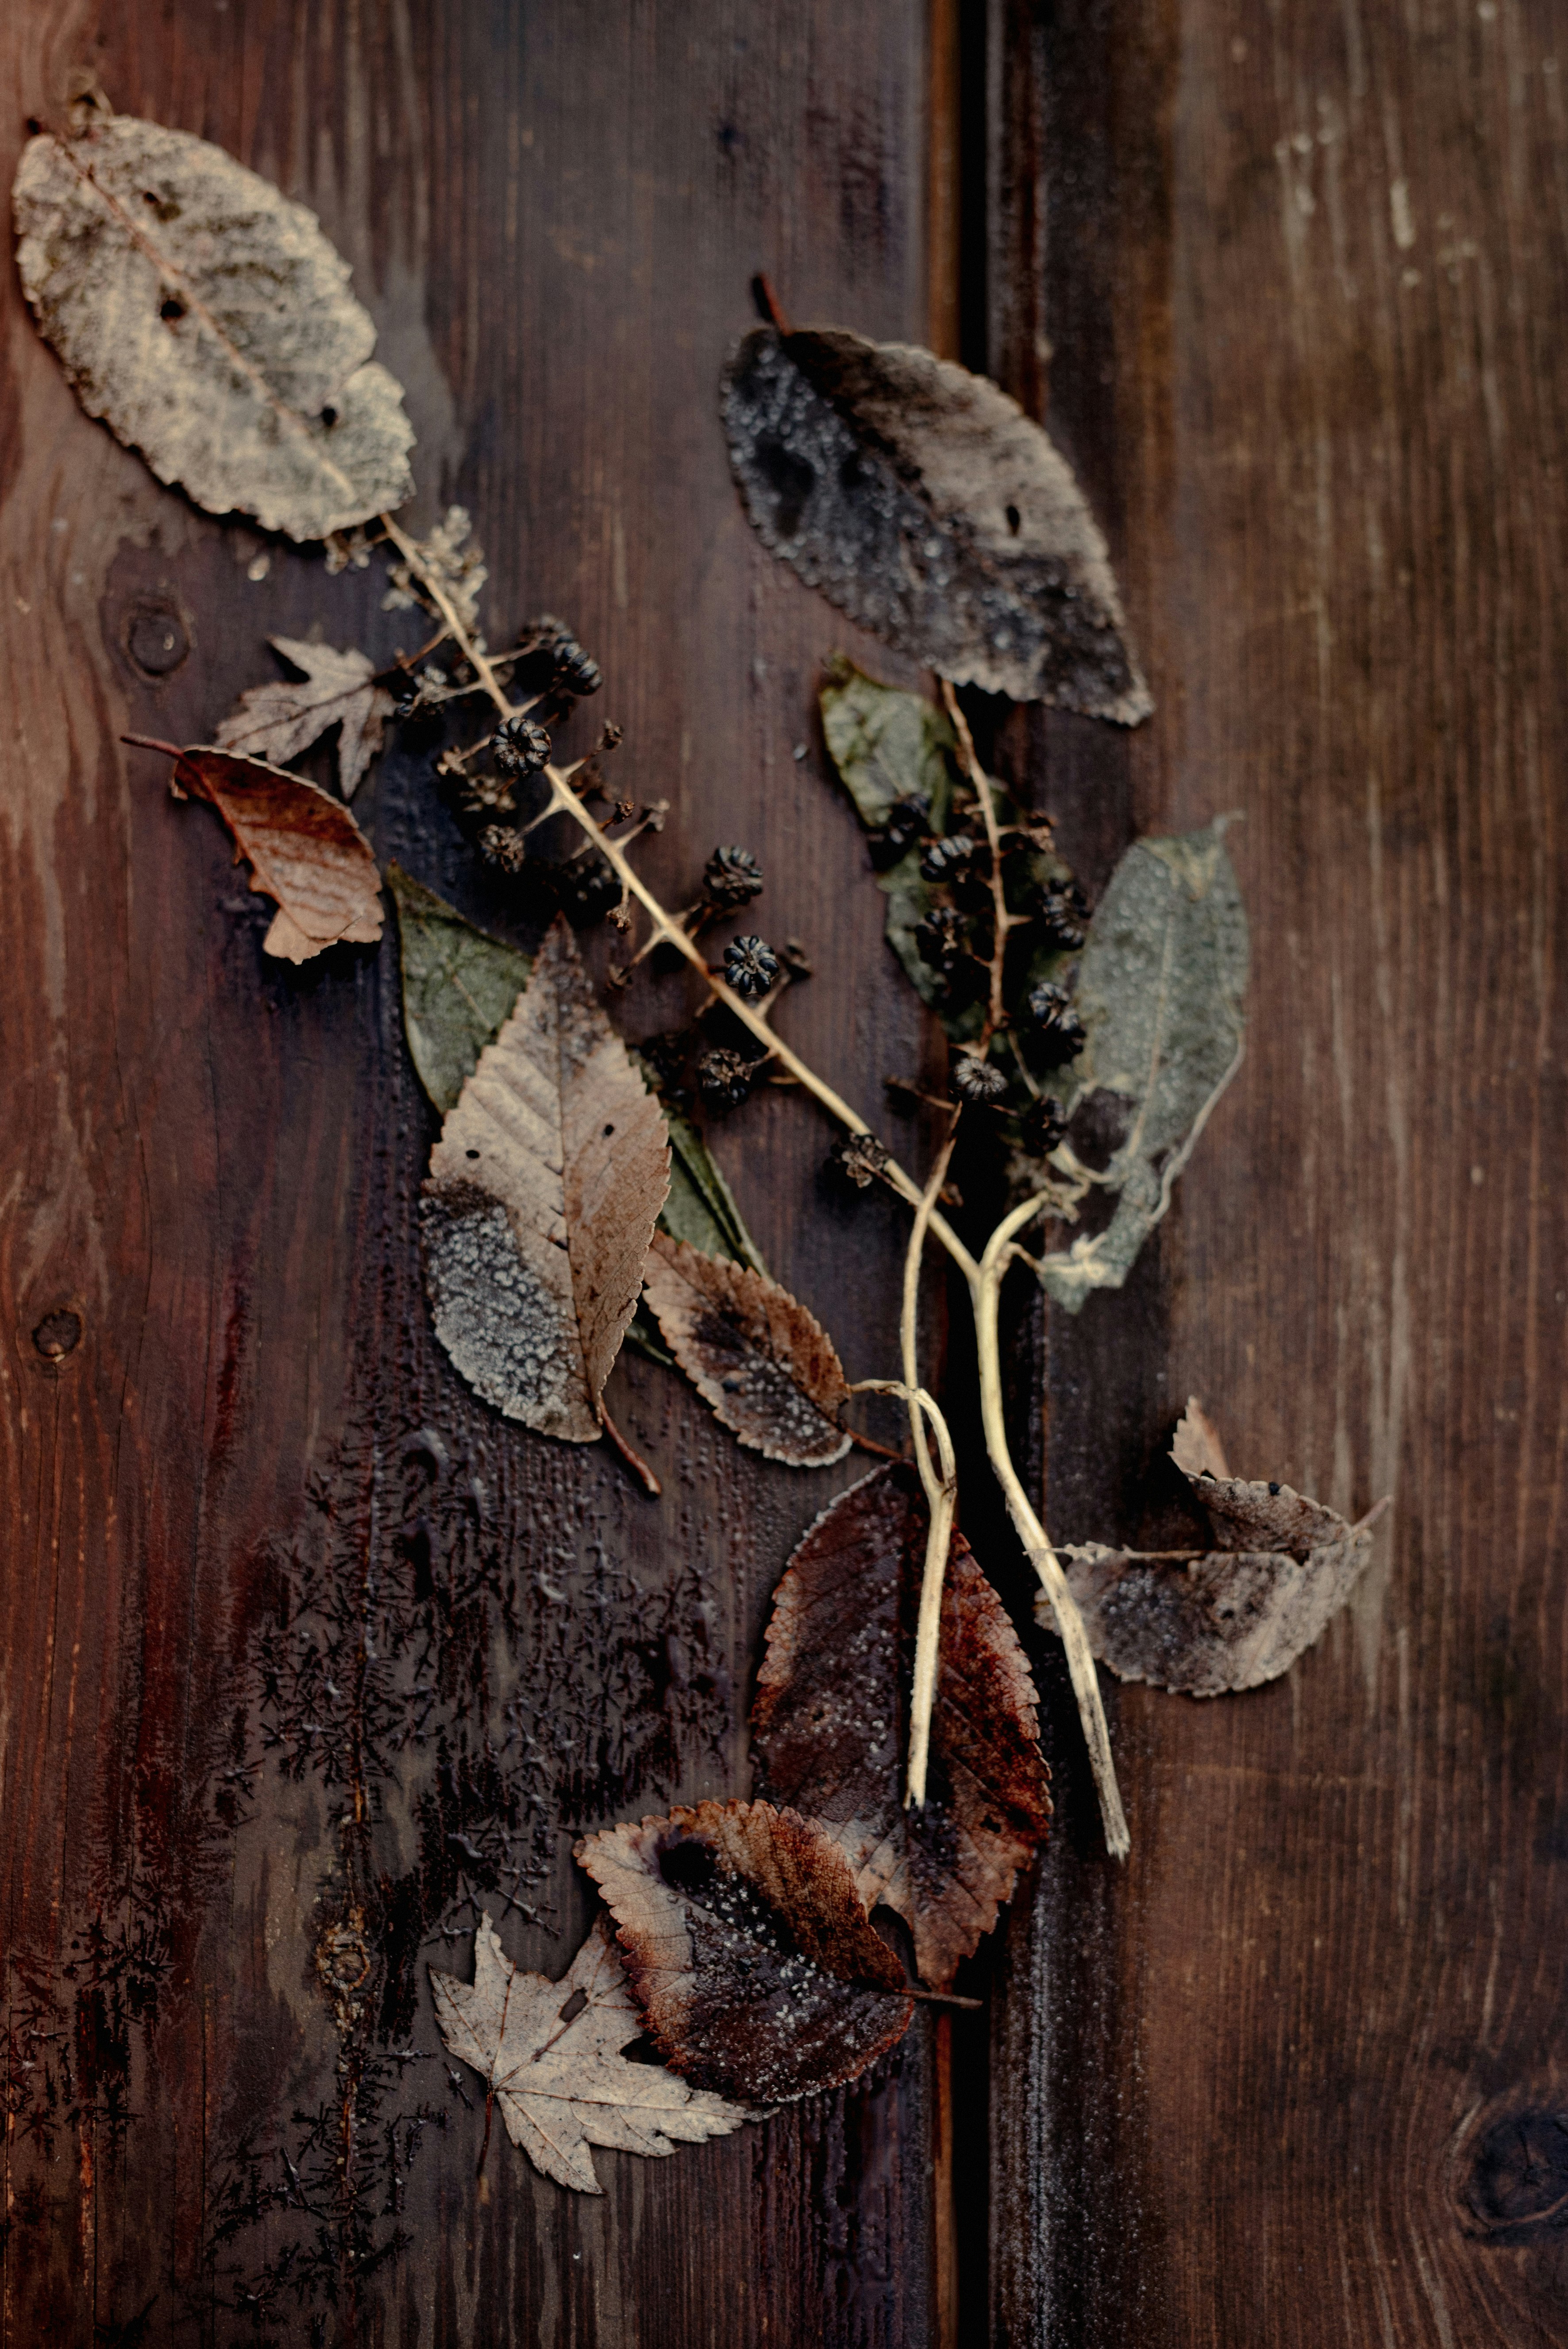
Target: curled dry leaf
[(458, 985), (1231, 1617), (303, 846), (550, 2053), (764, 1364), (831, 1720), (1160, 992), (543, 1192), (209, 322), (924, 502), (278, 720), (749, 1950)]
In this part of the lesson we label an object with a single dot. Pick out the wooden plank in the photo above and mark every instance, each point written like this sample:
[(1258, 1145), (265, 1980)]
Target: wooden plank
[(1291, 2075), (307, 1655)]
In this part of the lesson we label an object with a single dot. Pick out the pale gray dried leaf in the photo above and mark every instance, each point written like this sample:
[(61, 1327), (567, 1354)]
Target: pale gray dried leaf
[(924, 502), (451, 560), (1160, 992), (550, 2053), (753, 1353), (458, 985), (543, 1192), (209, 322), (277, 721), (1231, 1617)]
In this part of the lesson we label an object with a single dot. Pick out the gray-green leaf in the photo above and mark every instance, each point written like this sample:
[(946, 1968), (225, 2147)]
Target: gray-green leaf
[(1160, 992), (458, 985)]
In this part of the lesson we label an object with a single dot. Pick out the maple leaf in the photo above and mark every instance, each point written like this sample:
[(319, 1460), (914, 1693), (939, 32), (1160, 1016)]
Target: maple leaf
[(209, 322), (764, 1363), (831, 1720), (303, 846), (550, 2053), (1231, 1617), (277, 721), (542, 1196), (749, 1950)]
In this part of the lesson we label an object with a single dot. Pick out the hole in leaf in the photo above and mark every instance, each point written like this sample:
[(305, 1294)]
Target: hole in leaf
[(688, 1867), (609, 1129), (1013, 520), (329, 417), (640, 2051), (574, 2006), (171, 308), (470, 1153)]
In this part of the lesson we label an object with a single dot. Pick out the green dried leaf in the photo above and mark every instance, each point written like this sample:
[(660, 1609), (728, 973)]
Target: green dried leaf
[(885, 744), (458, 985), (1160, 992), (701, 1205)]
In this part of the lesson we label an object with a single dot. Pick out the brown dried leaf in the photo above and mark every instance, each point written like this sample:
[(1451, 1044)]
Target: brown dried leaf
[(764, 1364), (303, 846), (550, 2053), (748, 1949), (209, 322), (278, 720), (1228, 1617), (924, 502), (831, 1720), (543, 1192)]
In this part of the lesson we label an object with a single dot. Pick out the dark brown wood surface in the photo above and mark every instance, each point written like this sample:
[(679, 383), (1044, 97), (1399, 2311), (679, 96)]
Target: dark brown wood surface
[(307, 1655)]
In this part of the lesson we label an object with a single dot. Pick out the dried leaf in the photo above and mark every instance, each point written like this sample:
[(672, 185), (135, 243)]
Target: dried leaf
[(831, 1720), (550, 2053), (701, 1206), (764, 1363), (542, 1196), (750, 1952), (924, 502), (458, 985), (209, 322), (886, 744), (303, 846), (1236, 1615), (1160, 992), (277, 721)]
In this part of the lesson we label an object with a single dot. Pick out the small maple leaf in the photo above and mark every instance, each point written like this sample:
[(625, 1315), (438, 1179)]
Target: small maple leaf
[(550, 2053), (277, 721)]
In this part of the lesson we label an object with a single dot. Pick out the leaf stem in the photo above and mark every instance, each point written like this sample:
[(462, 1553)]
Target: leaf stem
[(941, 1493)]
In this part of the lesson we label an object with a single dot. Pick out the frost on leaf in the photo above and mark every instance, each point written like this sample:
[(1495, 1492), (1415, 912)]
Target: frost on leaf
[(766, 1366), (831, 1720), (209, 322), (542, 1196), (924, 502), (458, 985), (1160, 992), (1233, 1616), (550, 2053), (303, 846), (279, 721), (748, 1949)]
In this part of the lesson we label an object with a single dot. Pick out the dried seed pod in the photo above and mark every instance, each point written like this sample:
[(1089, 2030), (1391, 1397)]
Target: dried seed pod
[(975, 1079), (750, 966), (908, 820), (502, 844), (1058, 1031), (521, 747), (587, 889), (1063, 913), (945, 859), (485, 794), (859, 1159), (732, 876), (725, 1077), (576, 672), (940, 937), (1043, 1125)]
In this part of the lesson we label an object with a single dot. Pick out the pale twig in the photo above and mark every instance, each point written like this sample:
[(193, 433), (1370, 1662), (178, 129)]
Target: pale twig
[(940, 1492), (1002, 921)]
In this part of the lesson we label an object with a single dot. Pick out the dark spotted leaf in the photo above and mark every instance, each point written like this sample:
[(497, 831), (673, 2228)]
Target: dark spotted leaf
[(831, 1720), (924, 502), (1234, 1615), (749, 1950), (753, 1353)]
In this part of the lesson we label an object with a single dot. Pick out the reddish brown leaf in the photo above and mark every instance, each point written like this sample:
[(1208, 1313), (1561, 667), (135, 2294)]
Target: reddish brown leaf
[(749, 1950), (831, 1720), (303, 846), (765, 1365)]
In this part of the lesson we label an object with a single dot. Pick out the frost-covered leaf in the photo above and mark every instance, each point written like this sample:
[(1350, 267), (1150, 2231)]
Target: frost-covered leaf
[(458, 985), (451, 560), (1160, 992), (764, 1363), (550, 2053), (542, 1196), (277, 721), (831, 1720), (303, 846), (749, 1950), (1237, 1614), (209, 322), (924, 502)]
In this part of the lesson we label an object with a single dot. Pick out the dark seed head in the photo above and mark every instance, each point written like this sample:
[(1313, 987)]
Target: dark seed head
[(732, 876), (521, 747), (725, 1077), (944, 860), (908, 820), (587, 889), (501, 844), (975, 1079), (1044, 1126), (859, 1159), (576, 672), (750, 966), (1064, 913), (939, 939), (1058, 1031)]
